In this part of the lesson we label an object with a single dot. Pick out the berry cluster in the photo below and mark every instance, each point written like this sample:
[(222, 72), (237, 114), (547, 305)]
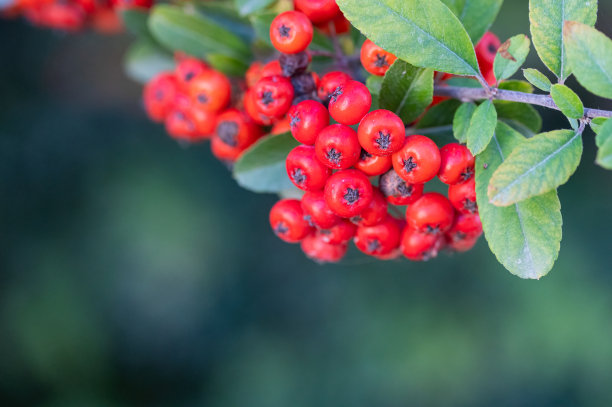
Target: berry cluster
[(74, 15)]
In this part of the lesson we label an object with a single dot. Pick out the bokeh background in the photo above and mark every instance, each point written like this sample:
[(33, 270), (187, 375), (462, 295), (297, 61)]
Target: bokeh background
[(134, 272)]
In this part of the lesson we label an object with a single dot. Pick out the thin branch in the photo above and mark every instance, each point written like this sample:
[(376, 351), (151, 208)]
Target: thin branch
[(471, 94)]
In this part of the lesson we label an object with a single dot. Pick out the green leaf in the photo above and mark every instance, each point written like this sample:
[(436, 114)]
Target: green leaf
[(597, 123), (262, 167), (516, 85), (590, 55), (461, 121), (261, 24), (526, 236), (463, 82), (568, 101), (194, 34), (537, 165), (424, 33), (135, 20), (482, 127), (522, 117), (603, 128), (225, 15), (144, 60), (228, 65), (476, 15), (511, 56), (604, 154), (406, 90), (374, 83), (547, 18), (441, 114), (246, 7), (537, 79)]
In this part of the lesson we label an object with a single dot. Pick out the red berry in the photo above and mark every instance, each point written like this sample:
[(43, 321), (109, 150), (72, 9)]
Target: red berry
[(337, 146), (372, 165), (432, 213), (223, 152), (210, 90), (316, 249), (305, 170), (486, 50), (380, 239), (381, 132), (463, 196), (329, 83), (129, 4), (461, 245), (349, 102), (307, 119), (204, 121), (273, 95), (180, 126), (236, 129), (159, 96), (456, 164), (291, 32), (374, 59), (398, 191), (318, 11), (418, 161), (253, 74), (287, 221), (316, 210), (341, 232), (348, 193), (417, 246), (272, 68), (374, 213), (187, 69), (339, 25), (465, 227), (250, 108)]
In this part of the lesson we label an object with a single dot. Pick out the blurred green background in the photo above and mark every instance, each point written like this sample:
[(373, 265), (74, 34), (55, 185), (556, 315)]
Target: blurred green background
[(134, 272)]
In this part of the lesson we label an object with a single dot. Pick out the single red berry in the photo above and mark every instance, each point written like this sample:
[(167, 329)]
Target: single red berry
[(337, 146), (374, 59), (249, 102), (291, 32), (329, 83), (317, 250), (465, 227), (59, 16), (380, 239), (398, 191), (348, 193), (432, 213), (461, 245), (253, 74), (318, 11), (456, 164), (393, 255), (159, 96), (373, 165), (287, 221), (187, 69), (130, 4), (486, 50), (210, 90), (272, 68), (341, 232), (281, 126), (224, 152), (418, 161), (236, 129), (381, 132), (317, 212), (375, 212), (205, 121), (338, 25), (273, 95), (180, 125), (305, 170), (307, 119), (418, 246), (463, 196), (349, 102)]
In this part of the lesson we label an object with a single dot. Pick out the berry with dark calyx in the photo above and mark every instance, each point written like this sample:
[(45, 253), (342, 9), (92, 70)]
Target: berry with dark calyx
[(381, 132), (188, 69), (349, 102), (203, 120), (223, 152), (432, 213), (287, 221), (348, 193), (304, 85), (329, 83), (418, 246), (159, 96), (337, 146), (461, 245), (374, 213), (291, 32), (341, 232), (305, 170), (273, 96), (307, 119), (318, 11), (397, 190), (272, 68), (317, 250), (465, 227), (253, 74), (456, 164), (180, 126), (463, 196), (293, 64), (210, 90), (380, 239), (236, 129), (374, 59), (418, 161), (249, 102), (373, 165), (317, 212)]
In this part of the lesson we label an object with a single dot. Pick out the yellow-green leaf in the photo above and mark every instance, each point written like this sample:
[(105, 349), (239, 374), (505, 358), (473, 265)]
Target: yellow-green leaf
[(511, 56), (537, 79), (567, 100), (482, 127)]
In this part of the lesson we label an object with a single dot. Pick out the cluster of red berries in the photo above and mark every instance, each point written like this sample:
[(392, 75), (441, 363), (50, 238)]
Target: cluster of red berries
[(74, 15)]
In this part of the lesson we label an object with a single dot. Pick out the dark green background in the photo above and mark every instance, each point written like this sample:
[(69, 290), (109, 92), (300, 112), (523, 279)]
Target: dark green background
[(134, 272)]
